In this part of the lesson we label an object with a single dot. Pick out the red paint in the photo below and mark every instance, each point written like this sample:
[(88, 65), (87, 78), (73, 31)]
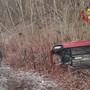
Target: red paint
[(76, 44)]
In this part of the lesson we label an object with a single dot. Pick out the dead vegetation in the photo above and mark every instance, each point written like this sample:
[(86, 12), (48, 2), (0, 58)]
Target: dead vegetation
[(30, 28), (71, 78)]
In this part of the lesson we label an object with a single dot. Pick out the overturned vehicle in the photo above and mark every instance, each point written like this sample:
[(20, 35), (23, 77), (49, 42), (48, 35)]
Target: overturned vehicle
[(74, 53)]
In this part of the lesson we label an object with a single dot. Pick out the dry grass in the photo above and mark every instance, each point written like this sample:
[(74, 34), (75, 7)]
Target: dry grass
[(30, 28)]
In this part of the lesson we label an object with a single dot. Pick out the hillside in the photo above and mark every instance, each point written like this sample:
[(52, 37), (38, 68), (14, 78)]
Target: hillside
[(30, 28)]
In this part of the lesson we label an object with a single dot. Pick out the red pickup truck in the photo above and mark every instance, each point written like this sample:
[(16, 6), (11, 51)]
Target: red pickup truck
[(71, 52)]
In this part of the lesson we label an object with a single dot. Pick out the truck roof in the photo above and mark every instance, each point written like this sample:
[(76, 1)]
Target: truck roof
[(76, 44)]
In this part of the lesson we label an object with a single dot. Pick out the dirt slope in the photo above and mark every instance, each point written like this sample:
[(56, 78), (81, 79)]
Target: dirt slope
[(20, 80)]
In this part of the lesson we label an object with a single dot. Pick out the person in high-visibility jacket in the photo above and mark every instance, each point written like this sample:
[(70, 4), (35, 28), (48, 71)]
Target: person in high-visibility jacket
[(86, 14)]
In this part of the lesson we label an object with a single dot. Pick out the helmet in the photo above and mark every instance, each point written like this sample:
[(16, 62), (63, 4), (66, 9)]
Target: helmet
[(88, 13)]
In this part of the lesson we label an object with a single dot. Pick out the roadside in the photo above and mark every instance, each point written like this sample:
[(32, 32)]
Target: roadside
[(21, 80)]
